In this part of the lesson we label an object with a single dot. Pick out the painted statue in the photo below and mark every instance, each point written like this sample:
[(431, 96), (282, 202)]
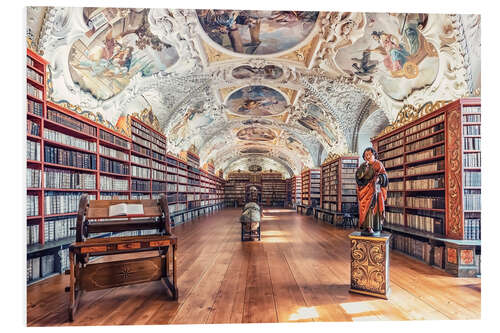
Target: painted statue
[(372, 182)]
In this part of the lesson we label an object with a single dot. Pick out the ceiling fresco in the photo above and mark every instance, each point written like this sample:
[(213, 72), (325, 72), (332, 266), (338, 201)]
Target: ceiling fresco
[(256, 31), (271, 89)]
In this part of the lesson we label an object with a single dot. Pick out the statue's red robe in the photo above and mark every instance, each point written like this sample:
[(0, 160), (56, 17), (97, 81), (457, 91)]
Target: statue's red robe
[(366, 192)]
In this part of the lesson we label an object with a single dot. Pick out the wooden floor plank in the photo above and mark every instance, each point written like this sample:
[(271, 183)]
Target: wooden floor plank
[(300, 271)]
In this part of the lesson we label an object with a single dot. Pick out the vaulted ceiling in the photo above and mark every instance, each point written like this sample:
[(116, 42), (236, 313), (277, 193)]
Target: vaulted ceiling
[(276, 89)]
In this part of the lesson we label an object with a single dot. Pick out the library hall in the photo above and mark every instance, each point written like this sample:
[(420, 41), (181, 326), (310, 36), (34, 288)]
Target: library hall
[(251, 165)]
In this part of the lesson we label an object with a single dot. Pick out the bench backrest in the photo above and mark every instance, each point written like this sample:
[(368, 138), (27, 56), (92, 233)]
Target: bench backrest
[(93, 217)]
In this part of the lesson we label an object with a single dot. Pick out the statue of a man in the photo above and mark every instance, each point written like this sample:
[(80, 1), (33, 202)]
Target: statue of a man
[(372, 182)]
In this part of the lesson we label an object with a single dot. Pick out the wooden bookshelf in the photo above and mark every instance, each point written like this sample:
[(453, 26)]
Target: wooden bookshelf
[(296, 190), (273, 188), (311, 191), (69, 154), (235, 188), (338, 187), (434, 169)]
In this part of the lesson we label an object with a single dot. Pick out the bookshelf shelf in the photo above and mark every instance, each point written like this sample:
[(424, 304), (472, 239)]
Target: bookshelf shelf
[(62, 214), (65, 146), (34, 217), (34, 98), (33, 162), (34, 116), (457, 229), (54, 165)]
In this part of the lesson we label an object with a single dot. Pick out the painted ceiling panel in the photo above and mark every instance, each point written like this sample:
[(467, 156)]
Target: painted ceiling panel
[(270, 89)]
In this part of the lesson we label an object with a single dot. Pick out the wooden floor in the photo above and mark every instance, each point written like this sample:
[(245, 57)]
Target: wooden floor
[(300, 271)]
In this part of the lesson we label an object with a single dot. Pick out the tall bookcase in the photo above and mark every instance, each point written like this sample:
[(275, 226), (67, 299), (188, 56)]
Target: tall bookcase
[(273, 189), (338, 184), (434, 169), (68, 154), (234, 188), (311, 191), (296, 190)]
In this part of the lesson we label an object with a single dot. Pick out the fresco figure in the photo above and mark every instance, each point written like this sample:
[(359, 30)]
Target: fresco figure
[(372, 181), (395, 53)]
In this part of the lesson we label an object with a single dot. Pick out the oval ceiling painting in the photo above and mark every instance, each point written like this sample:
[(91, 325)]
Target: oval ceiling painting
[(256, 101), (256, 134), (117, 45), (257, 31)]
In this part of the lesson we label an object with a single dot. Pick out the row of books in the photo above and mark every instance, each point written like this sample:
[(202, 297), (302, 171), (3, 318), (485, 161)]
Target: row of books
[(395, 186), (60, 228), (472, 199), (140, 149), (413, 247), (395, 173), (425, 154), (472, 143), (33, 178), (30, 61), (69, 140), (71, 122), (111, 138), (432, 182), (425, 124), (140, 160), (471, 118), (471, 109), (113, 166), (35, 92), (182, 188), (110, 152), (32, 150), (390, 145), (113, 184), (140, 172), (171, 187), (66, 179), (395, 199), (425, 142), (140, 185), (472, 228), (113, 196), (158, 186), (63, 202), (158, 166), (392, 138), (395, 218), (40, 267), (32, 205), (391, 153), (182, 172), (141, 141), (472, 160), (138, 126), (425, 168), (393, 162), (159, 175), (140, 196), (431, 224), (69, 158), (430, 130), (144, 134), (32, 128), (472, 129), (32, 234), (35, 76), (472, 178), (35, 107), (425, 202), (161, 151)]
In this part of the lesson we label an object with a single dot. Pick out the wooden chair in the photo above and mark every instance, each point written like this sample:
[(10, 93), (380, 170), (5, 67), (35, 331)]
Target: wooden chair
[(92, 218)]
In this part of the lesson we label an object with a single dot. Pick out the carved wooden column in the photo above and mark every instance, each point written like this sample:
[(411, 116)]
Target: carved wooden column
[(370, 264)]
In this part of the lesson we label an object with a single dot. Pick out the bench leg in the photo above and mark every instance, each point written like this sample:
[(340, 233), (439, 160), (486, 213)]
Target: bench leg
[(74, 294)]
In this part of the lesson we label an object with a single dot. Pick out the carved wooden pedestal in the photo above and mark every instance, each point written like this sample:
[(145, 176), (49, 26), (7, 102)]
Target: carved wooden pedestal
[(370, 264), (461, 259)]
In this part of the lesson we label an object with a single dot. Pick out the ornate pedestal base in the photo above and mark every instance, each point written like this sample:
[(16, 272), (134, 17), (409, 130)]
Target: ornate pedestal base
[(370, 264), (461, 259)]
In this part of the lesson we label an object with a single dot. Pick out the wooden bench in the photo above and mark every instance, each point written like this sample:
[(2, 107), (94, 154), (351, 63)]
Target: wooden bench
[(92, 218)]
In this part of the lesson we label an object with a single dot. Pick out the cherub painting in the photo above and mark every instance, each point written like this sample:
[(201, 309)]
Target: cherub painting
[(257, 31), (256, 101), (256, 134), (117, 46)]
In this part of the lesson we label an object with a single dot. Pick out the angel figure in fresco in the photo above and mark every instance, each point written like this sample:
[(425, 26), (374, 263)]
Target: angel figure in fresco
[(389, 46), (372, 181)]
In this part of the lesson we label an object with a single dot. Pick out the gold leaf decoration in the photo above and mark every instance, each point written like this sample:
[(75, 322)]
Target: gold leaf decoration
[(214, 55), (409, 113), (147, 116), (288, 92)]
